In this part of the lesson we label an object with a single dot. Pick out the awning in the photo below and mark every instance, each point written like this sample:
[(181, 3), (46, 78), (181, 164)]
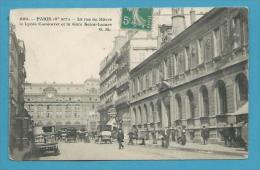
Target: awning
[(242, 110), (112, 122)]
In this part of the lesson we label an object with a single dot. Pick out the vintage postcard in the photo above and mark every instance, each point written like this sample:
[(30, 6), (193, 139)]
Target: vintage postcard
[(128, 83)]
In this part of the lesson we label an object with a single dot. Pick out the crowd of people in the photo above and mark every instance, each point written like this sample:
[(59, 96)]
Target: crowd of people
[(231, 136)]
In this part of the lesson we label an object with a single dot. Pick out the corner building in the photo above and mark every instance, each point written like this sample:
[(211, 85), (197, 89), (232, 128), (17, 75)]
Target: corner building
[(199, 78), (19, 120)]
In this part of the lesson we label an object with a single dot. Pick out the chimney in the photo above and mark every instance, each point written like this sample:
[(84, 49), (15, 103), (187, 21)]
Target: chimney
[(192, 16), (178, 21)]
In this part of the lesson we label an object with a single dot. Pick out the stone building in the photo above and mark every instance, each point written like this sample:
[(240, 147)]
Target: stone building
[(198, 78), (129, 51), (62, 105), (19, 120)]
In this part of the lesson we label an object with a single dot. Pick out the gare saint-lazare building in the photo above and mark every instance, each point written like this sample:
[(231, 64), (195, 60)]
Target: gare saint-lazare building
[(62, 105), (198, 77)]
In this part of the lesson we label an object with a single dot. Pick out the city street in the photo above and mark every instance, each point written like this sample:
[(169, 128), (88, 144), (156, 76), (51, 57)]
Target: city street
[(93, 151)]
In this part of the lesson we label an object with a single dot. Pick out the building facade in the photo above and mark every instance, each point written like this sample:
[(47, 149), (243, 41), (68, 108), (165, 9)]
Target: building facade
[(19, 120), (198, 78), (129, 51), (62, 105)]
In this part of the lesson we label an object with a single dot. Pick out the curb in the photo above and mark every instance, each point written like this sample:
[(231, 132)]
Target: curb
[(245, 154)]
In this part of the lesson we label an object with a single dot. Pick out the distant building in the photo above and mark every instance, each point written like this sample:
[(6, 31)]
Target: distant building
[(198, 78), (19, 118), (62, 105)]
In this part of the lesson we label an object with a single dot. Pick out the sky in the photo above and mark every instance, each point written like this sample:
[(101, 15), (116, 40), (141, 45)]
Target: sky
[(65, 54)]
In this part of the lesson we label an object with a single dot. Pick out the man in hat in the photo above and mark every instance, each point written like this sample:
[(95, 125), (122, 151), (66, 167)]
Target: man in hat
[(205, 135), (225, 134), (120, 138)]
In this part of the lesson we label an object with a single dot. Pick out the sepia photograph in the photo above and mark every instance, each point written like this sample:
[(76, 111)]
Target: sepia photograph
[(128, 83)]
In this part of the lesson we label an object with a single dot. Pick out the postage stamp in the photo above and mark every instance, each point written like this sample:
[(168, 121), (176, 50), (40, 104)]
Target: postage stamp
[(137, 18)]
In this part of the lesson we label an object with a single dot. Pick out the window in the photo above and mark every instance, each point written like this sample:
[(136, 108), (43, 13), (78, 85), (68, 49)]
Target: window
[(144, 82), (139, 85), (217, 42), (147, 79), (136, 85), (181, 62), (187, 58), (191, 105), (236, 32), (165, 69), (221, 97), (241, 90), (204, 101), (200, 50), (175, 65), (179, 106), (150, 78), (154, 75)]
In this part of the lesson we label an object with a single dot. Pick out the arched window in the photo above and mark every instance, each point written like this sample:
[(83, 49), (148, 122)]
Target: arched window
[(241, 90), (153, 112), (140, 115), (139, 84), (175, 64), (136, 85), (178, 106), (146, 117), (204, 101), (221, 97), (165, 69), (159, 112), (191, 104)]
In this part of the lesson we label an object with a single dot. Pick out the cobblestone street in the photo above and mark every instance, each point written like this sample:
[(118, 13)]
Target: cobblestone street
[(94, 151)]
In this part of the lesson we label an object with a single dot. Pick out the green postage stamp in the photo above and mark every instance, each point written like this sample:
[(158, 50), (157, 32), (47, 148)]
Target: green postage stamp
[(137, 18)]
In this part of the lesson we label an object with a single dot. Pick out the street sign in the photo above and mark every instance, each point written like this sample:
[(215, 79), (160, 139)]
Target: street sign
[(137, 18)]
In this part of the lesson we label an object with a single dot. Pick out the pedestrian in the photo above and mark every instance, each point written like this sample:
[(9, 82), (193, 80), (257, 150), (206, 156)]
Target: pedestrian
[(162, 137), (130, 134), (174, 135), (225, 134), (167, 137), (205, 135), (142, 137), (136, 135), (244, 132), (120, 138), (154, 137), (232, 135)]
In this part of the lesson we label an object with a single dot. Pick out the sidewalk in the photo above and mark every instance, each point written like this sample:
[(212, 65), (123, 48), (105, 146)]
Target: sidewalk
[(19, 155), (197, 147)]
